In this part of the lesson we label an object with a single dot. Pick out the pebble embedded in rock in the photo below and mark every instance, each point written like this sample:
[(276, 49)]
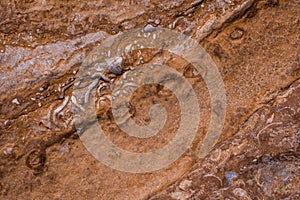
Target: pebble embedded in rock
[(237, 34)]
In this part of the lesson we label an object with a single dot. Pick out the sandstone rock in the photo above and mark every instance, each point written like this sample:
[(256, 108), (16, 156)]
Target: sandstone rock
[(255, 45)]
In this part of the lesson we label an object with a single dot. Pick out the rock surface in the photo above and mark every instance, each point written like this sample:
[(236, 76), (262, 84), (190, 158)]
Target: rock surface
[(255, 45)]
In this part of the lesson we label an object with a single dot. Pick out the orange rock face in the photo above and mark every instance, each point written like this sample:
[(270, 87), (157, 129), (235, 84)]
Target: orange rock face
[(255, 47)]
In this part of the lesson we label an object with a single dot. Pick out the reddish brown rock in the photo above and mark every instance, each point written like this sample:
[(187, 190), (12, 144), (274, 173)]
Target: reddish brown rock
[(255, 45), (260, 161)]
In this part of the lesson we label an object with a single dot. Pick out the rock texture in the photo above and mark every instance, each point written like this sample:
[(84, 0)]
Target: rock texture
[(260, 162), (255, 45)]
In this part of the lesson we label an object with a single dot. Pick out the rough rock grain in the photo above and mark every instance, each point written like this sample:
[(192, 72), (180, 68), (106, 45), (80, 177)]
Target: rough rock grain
[(255, 45)]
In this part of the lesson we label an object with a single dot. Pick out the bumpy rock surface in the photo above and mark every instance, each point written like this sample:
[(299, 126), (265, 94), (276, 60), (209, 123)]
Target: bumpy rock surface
[(255, 45), (260, 161)]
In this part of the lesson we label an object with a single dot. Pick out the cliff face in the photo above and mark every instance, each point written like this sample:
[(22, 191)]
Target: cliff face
[(255, 46)]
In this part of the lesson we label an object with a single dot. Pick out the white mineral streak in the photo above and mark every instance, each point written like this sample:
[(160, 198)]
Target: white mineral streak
[(216, 22), (43, 61)]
